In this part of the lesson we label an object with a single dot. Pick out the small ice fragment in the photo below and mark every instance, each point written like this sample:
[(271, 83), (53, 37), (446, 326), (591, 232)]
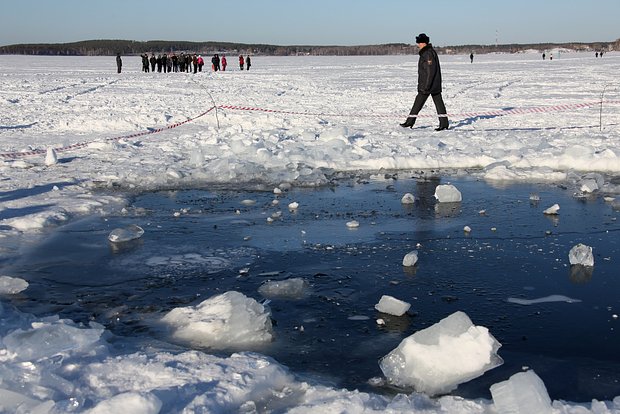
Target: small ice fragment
[(248, 202), (581, 254), (277, 191), (392, 306), (353, 224), (552, 210), (408, 199), (275, 202), (588, 186), (293, 288), (12, 285), (126, 234), (522, 393), (467, 229), (482, 212), (534, 197), (447, 193), (380, 322), (293, 206), (410, 258)]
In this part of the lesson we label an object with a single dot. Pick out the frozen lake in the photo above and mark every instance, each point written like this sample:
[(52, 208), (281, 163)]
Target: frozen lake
[(215, 243), (194, 160)]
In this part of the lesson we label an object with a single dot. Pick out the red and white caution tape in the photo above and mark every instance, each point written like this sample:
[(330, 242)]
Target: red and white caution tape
[(15, 155), (499, 112)]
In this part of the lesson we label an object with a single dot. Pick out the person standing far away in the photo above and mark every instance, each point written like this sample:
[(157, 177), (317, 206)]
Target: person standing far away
[(544, 56), (248, 62), (471, 57), (241, 62), (224, 63), (429, 84), (119, 62)]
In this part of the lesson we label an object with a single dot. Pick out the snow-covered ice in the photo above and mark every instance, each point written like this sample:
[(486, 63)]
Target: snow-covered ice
[(437, 359), (68, 149)]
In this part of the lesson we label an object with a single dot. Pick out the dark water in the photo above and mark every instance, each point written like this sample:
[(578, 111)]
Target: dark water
[(513, 251)]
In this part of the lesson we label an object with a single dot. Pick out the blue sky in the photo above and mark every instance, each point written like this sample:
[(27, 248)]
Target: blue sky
[(316, 22)]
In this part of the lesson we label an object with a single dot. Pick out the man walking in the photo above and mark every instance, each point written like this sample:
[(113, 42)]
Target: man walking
[(429, 84)]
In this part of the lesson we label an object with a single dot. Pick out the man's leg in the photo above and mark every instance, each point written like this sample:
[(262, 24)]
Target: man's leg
[(441, 111), (420, 99)]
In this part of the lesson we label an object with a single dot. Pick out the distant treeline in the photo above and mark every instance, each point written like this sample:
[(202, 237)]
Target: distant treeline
[(130, 47)]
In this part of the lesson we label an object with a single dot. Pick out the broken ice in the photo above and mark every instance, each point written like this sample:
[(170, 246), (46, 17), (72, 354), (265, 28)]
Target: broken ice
[(12, 285), (126, 234), (410, 258), (447, 193), (392, 306), (229, 320), (552, 210), (291, 288), (437, 359), (581, 255), (522, 393), (408, 199)]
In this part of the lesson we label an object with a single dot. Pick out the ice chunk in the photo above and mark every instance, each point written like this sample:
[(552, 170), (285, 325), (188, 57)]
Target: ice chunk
[(50, 157), (447, 193), (581, 255), (522, 393), (467, 229), (410, 258), (129, 233), (588, 186), (12, 285), (437, 359), (46, 339), (392, 306), (291, 288), (11, 401), (353, 224), (293, 206), (229, 320), (552, 210), (408, 199)]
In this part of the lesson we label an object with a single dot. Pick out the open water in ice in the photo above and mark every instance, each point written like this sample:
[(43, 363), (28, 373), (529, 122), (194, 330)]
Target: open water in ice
[(215, 243)]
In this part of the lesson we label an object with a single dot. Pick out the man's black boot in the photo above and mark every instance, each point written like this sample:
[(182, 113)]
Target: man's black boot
[(408, 123)]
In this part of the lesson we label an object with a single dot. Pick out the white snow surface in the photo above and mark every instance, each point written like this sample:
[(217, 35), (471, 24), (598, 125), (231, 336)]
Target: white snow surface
[(336, 114)]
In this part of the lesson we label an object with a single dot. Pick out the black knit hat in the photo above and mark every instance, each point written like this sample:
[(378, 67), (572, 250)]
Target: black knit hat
[(422, 38)]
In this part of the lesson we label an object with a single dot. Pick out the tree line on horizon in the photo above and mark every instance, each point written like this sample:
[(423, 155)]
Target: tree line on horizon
[(131, 47)]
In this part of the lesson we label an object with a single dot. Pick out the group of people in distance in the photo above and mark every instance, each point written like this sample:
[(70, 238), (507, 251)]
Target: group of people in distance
[(186, 62)]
